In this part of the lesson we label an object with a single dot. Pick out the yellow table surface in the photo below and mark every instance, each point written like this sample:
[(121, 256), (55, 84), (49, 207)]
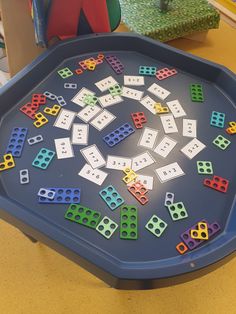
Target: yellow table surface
[(34, 279)]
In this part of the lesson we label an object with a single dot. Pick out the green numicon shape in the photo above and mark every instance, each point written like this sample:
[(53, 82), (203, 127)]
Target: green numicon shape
[(196, 92), (90, 100), (156, 226), (204, 167), (107, 227), (64, 73), (221, 142), (128, 222), (177, 211), (83, 215), (115, 90)]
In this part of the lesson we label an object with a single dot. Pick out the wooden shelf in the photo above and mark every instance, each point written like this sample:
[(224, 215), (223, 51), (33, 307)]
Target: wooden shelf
[(19, 34)]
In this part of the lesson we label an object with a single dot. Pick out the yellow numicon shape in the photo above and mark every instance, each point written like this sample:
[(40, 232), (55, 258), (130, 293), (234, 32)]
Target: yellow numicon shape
[(91, 65), (40, 120), (8, 162), (52, 111), (130, 175), (232, 128), (160, 109), (201, 233)]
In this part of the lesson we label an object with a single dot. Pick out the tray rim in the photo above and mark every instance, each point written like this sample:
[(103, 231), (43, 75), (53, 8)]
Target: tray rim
[(17, 215)]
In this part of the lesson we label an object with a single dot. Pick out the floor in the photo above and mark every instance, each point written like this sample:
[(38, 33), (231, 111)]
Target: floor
[(34, 279)]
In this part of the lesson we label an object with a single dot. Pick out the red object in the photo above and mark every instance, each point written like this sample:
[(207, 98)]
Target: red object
[(100, 56), (217, 183), (99, 61), (83, 65), (181, 248), (164, 73), (138, 119), (64, 17), (29, 110), (79, 71), (38, 99), (30, 4), (138, 190)]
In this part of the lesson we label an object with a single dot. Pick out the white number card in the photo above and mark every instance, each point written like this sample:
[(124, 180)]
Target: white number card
[(176, 108), (93, 156), (106, 83), (190, 128), (169, 172), (109, 100), (133, 80), (148, 138), (132, 93), (65, 119), (149, 104), (78, 99), (147, 181), (193, 148), (118, 162), (141, 161), (168, 123), (102, 120), (80, 133), (64, 148), (88, 112), (158, 91), (96, 176), (165, 146)]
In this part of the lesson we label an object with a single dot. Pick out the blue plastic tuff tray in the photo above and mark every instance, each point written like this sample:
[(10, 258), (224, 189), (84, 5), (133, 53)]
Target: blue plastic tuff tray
[(149, 261)]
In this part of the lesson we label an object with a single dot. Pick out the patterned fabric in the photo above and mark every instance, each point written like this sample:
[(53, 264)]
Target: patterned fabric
[(183, 18)]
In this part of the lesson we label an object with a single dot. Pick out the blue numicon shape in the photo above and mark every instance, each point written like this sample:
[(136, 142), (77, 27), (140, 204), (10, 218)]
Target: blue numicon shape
[(62, 196), (118, 134), (16, 142)]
